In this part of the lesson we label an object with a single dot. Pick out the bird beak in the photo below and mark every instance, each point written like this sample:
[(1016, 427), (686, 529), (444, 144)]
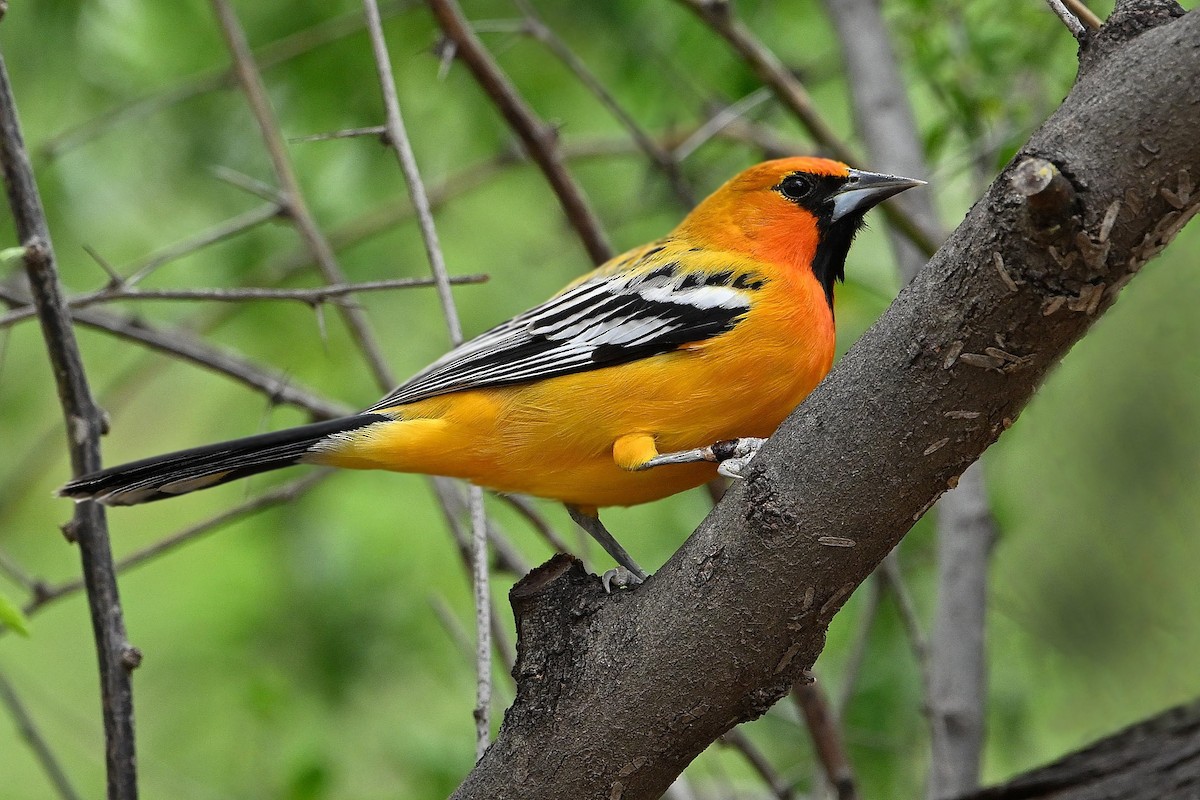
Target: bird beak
[(863, 190)]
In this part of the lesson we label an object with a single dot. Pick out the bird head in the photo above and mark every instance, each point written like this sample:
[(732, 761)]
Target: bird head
[(799, 212)]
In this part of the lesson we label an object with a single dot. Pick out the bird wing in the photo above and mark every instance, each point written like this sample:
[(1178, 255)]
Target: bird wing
[(610, 318)]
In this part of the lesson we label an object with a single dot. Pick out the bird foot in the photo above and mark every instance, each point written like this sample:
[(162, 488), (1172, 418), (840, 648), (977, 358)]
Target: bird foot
[(732, 456), (735, 455), (621, 578)]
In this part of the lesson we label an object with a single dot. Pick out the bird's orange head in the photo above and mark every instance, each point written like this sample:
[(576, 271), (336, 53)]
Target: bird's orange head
[(800, 213)]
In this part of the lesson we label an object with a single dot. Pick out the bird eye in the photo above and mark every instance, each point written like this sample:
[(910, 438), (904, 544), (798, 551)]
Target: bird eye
[(796, 187)]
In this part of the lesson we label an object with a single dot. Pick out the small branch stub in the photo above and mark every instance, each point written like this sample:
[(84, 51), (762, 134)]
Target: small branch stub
[(1048, 194)]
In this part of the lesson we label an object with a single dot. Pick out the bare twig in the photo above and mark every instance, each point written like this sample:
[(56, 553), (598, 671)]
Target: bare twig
[(827, 738), (449, 493), (251, 83), (453, 507), (664, 160), (249, 294), (10, 567), (909, 618), (1085, 14), (527, 510), (718, 15), (377, 131), (46, 594), (84, 423), (483, 622), (140, 270), (720, 121), (1070, 20), (397, 137), (177, 343), (33, 736), (858, 649), (269, 55), (759, 762), (540, 139)]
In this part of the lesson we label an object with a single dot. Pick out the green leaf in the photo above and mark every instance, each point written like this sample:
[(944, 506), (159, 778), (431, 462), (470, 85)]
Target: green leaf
[(11, 616)]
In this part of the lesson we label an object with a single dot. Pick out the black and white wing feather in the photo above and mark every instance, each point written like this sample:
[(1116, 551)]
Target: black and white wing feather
[(606, 320)]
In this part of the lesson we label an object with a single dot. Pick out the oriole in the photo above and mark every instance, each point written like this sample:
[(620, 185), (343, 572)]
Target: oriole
[(625, 387)]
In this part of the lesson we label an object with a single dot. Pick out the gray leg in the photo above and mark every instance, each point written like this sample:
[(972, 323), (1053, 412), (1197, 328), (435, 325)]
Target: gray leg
[(592, 524), (731, 455)]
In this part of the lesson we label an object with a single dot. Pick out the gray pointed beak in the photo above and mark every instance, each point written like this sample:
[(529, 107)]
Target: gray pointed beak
[(864, 190)]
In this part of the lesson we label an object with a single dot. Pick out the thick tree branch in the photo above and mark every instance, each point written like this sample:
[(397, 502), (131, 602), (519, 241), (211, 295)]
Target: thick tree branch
[(956, 680), (735, 617), (1156, 759)]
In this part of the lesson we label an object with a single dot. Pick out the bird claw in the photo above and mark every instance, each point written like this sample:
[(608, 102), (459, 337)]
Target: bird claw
[(735, 455), (620, 578)]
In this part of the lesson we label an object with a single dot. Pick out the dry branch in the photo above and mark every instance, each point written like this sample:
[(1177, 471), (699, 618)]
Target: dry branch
[(539, 138), (84, 424), (739, 613)]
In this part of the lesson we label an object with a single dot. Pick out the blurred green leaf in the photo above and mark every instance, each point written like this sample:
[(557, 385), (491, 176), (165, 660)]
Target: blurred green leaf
[(12, 617)]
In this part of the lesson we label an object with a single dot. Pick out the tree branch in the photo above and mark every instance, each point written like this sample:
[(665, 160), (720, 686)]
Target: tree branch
[(84, 424), (942, 374), (540, 139)]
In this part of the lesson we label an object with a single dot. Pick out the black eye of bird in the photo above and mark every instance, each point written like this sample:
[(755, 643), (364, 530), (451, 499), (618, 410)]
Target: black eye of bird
[(796, 187)]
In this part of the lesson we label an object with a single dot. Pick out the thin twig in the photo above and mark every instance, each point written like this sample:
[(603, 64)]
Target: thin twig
[(176, 343), (449, 493), (909, 618), (462, 642), (84, 423), (249, 184), (540, 139), (143, 268), (858, 648), (759, 762), (1070, 20), (718, 15), (664, 160), (823, 726), (267, 56), (256, 94), (32, 735), (397, 137), (1085, 14), (346, 133), (10, 567), (249, 294), (483, 622), (280, 495), (720, 121), (526, 509), (453, 506)]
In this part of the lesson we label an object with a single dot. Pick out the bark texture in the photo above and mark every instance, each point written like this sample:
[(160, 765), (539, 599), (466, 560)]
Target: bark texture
[(1158, 759), (617, 694)]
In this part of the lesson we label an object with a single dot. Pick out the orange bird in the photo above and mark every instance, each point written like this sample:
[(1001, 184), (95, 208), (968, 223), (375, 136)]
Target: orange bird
[(645, 377)]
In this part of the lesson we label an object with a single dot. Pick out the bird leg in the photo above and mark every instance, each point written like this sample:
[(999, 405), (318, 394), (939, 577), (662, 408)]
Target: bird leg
[(629, 573), (732, 456)]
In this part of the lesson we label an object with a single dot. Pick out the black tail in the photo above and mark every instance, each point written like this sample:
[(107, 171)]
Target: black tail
[(188, 470)]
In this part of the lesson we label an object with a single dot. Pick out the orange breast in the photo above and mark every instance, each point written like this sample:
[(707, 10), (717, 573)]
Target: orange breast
[(554, 438)]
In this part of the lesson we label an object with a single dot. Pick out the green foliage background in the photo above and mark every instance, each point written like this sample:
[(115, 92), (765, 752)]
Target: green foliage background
[(296, 655)]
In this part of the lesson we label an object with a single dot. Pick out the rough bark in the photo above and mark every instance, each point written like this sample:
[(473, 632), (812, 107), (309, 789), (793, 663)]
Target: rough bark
[(617, 694), (1156, 759), (957, 679)]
